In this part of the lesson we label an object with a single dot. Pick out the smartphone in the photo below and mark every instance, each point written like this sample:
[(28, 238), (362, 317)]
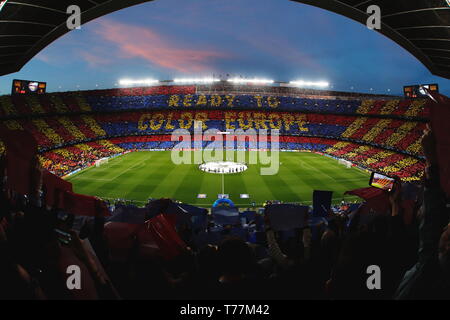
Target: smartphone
[(381, 182)]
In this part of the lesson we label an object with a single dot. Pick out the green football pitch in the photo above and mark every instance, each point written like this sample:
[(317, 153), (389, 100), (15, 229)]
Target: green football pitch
[(138, 176)]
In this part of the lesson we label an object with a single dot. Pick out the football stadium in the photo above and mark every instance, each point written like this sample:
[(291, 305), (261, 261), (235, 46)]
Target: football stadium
[(221, 186)]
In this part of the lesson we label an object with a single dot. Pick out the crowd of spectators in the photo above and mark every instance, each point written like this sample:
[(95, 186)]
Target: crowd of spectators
[(400, 135), (355, 121), (67, 160), (162, 97), (155, 253), (63, 161), (112, 103)]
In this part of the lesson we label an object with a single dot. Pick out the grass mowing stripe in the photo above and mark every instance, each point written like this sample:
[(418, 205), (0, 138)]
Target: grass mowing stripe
[(253, 182), (138, 175), (237, 185), (344, 176), (306, 180), (307, 173), (161, 181), (302, 175), (191, 185), (280, 189), (124, 181)]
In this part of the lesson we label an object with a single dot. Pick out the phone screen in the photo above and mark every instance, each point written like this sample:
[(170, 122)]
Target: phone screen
[(381, 182)]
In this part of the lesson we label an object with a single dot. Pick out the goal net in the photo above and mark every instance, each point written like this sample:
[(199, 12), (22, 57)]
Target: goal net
[(345, 163), (99, 162)]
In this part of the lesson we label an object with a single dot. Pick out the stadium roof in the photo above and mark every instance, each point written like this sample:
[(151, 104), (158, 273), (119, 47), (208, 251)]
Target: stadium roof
[(421, 26)]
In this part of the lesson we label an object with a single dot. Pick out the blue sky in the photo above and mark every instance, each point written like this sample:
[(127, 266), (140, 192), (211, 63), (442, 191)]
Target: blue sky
[(276, 39)]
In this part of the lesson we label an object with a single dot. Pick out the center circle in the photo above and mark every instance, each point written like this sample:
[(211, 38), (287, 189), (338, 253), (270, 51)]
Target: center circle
[(223, 167)]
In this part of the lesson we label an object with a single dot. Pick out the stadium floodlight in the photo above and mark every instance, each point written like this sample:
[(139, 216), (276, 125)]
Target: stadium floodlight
[(144, 82), (195, 80), (302, 83), (247, 81), (2, 4)]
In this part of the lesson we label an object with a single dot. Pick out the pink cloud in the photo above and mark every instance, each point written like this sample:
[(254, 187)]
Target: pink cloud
[(43, 57), (95, 59), (147, 44)]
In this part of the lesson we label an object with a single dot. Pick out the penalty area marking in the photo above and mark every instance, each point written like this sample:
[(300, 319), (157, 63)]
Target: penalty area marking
[(114, 177)]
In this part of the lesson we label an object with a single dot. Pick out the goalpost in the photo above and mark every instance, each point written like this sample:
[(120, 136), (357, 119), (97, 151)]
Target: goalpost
[(346, 163), (99, 162)]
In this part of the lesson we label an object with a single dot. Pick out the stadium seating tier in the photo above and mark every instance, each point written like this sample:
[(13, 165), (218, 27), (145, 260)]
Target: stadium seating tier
[(74, 129)]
